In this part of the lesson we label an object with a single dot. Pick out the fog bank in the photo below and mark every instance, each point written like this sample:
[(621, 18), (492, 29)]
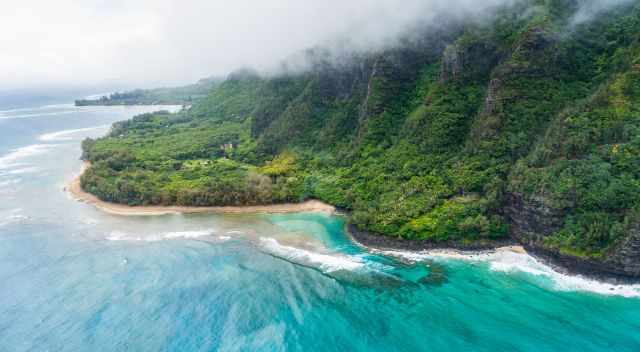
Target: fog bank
[(167, 42)]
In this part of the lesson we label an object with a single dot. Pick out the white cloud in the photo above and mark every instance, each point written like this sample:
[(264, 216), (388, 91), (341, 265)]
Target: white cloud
[(152, 42)]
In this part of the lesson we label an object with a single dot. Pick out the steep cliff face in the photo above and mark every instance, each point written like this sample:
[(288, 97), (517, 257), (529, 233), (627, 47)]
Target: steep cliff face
[(577, 195), (523, 126), (624, 259), (532, 220)]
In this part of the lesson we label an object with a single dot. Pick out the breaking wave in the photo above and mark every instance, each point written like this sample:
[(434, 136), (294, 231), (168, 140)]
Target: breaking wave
[(13, 217), (508, 261), (326, 262), (122, 236), (13, 160), (67, 135)]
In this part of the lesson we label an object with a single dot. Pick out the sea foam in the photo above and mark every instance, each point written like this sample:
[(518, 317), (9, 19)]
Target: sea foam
[(507, 261), (122, 236), (67, 135), (326, 262), (10, 182), (13, 217), (14, 157)]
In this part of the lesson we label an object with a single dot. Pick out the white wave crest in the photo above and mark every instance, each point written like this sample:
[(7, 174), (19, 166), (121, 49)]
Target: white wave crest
[(44, 107), (62, 109), (326, 262), (23, 170), (53, 110), (13, 217), (13, 158), (36, 114), (121, 236), (67, 135), (508, 261), (4, 184)]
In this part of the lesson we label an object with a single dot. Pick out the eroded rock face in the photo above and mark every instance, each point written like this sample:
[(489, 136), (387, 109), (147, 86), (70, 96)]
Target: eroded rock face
[(626, 256), (492, 100), (473, 60), (451, 63), (532, 221)]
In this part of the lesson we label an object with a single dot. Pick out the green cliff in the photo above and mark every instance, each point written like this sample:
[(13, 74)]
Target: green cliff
[(526, 126)]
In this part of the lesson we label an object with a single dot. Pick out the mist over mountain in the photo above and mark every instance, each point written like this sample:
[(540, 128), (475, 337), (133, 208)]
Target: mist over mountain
[(167, 42), (519, 125)]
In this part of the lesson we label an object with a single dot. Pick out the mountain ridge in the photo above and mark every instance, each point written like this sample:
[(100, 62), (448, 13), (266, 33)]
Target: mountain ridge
[(523, 127)]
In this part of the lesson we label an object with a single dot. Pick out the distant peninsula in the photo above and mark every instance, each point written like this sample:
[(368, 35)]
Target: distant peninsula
[(184, 95)]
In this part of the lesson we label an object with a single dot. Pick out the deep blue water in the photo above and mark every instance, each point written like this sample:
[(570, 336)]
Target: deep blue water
[(75, 279)]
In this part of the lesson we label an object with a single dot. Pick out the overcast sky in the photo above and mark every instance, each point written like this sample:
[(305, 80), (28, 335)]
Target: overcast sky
[(168, 42)]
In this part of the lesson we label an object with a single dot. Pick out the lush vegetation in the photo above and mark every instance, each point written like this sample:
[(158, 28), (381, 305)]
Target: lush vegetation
[(158, 96), (423, 141)]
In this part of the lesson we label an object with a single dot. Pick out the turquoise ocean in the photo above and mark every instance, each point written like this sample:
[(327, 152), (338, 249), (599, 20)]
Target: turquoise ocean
[(75, 279)]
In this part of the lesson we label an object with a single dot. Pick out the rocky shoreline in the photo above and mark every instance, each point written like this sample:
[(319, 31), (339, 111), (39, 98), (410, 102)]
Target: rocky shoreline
[(577, 266), (381, 242), (560, 263), (601, 271)]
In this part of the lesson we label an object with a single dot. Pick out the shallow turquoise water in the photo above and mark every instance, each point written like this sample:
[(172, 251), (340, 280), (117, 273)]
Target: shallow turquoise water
[(75, 279)]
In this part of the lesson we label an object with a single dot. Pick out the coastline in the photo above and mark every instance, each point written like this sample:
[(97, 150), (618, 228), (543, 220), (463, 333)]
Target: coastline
[(76, 192), (560, 264), (386, 244), (368, 241)]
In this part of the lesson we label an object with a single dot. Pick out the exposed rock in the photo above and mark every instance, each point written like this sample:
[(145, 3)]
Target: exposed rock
[(532, 221), (625, 258), (473, 59), (451, 63), (492, 99), (393, 243)]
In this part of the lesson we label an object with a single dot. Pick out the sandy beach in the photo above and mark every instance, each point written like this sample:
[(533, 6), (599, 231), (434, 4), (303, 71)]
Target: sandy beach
[(77, 193)]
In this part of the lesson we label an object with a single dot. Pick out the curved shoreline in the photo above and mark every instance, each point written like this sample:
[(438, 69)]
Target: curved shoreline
[(364, 239), (75, 190)]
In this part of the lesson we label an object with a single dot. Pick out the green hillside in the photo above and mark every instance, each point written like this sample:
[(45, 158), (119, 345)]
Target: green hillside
[(526, 126)]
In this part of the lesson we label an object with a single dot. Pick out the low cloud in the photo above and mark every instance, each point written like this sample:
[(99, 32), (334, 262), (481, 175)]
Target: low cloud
[(167, 42), (588, 9)]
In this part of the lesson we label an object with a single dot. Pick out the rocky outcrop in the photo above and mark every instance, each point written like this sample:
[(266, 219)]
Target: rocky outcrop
[(492, 100), (532, 221), (625, 258), (452, 62), (382, 242), (473, 59)]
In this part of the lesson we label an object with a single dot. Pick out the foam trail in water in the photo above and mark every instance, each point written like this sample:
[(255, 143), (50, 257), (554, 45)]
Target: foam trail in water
[(14, 216), (55, 111), (24, 170), (38, 114), (326, 262), (121, 236), (67, 135), (12, 159), (508, 261), (44, 107), (10, 182)]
